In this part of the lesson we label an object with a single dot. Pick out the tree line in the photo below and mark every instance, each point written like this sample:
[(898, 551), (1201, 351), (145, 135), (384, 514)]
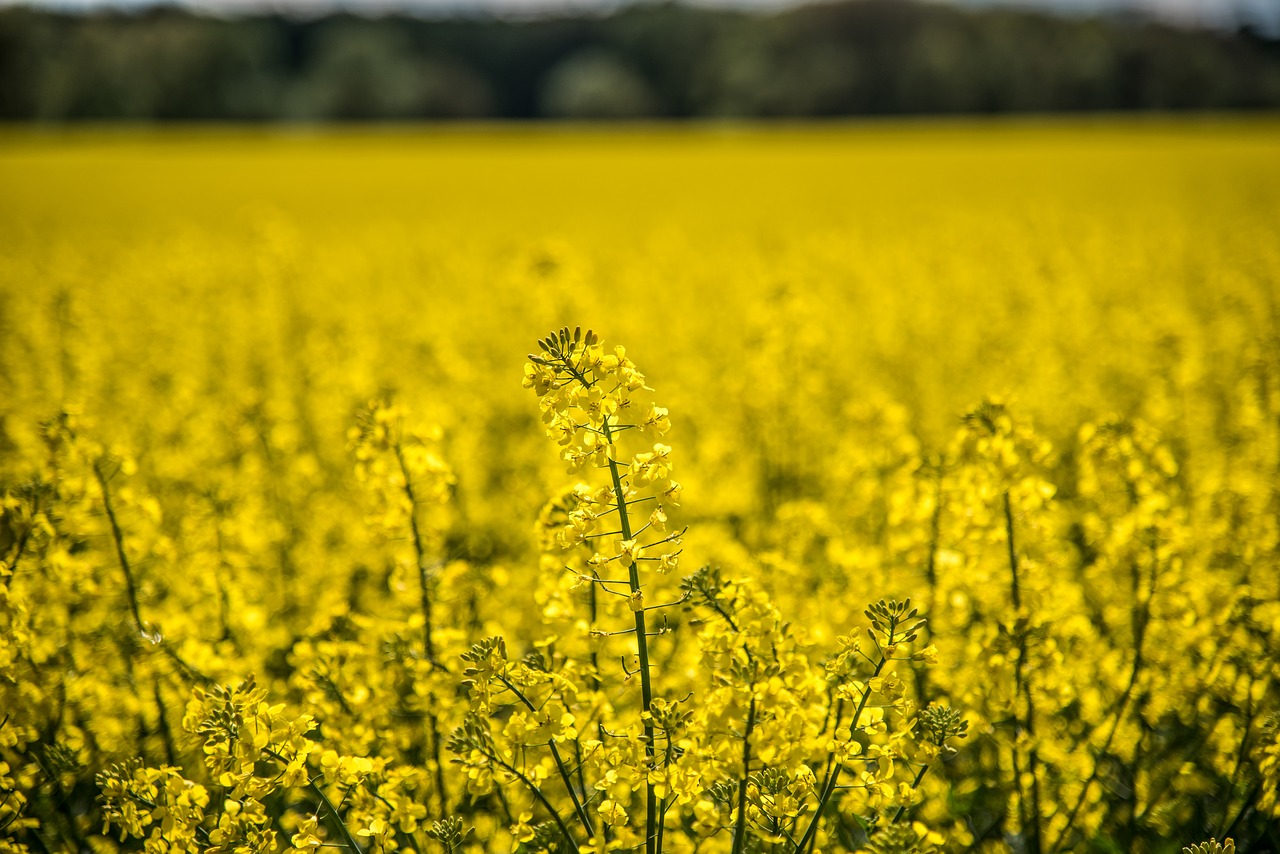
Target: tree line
[(851, 58)]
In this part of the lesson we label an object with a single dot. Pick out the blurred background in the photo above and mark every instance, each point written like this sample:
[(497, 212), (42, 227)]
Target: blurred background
[(304, 61)]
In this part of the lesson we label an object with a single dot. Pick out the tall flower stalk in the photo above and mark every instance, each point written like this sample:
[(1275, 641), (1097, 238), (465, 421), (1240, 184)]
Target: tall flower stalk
[(404, 474), (589, 399)]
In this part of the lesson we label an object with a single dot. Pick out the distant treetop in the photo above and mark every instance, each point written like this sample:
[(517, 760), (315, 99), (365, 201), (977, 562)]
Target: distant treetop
[(858, 58)]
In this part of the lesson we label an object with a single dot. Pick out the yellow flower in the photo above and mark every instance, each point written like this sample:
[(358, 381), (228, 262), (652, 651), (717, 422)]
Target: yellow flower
[(612, 813), (629, 551)]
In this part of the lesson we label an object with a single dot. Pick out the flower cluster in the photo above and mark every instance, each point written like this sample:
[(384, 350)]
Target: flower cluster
[(430, 678), (591, 405)]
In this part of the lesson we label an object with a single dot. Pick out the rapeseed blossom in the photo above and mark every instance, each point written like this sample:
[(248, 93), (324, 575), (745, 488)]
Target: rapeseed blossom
[(282, 568)]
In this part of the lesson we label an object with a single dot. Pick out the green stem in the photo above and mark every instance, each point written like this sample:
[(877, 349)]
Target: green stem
[(593, 607), (642, 649), (21, 546), (1022, 692), (833, 775), (740, 830), (914, 785), (1241, 753), (428, 643), (1121, 708), (420, 551), (542, 799), (1249, 798), (345, 832), (664, 804), (931, 576), (555, 754), (117, 537)]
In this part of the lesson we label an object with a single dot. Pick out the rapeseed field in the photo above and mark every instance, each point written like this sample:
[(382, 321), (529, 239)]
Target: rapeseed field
[(881, 487)]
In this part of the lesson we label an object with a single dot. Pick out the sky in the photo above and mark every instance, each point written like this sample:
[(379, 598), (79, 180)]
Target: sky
[(1211, 13)]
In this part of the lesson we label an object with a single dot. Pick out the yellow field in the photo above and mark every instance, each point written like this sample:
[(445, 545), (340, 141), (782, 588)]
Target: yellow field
[(1026, 374)]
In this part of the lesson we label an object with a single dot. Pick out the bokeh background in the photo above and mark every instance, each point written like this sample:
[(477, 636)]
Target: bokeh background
[(232, 233)]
